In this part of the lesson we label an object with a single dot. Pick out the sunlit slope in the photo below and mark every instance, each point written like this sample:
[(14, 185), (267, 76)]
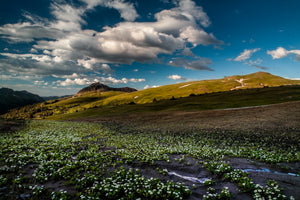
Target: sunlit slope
[(209, 101), (256, 80), (60, 106)]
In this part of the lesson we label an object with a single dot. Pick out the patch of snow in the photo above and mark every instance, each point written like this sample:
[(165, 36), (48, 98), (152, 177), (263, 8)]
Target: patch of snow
[(185, 86), (241, 81)]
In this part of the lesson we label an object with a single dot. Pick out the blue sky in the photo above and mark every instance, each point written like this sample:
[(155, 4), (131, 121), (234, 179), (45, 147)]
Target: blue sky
[(56, 47)]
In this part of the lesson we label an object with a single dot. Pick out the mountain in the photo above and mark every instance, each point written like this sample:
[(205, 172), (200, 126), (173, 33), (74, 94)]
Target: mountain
[(107, 100), (10, 99), (104, 88)]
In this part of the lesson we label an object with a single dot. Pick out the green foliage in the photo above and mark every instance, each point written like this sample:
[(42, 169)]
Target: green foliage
[(209, 182), (270, 191), (212, 195), (126, 184), (3, 180), (218, 168), (93, 160), (236, 175)]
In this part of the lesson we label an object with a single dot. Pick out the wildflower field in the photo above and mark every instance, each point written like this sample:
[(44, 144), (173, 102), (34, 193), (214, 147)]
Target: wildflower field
[(80, 160)]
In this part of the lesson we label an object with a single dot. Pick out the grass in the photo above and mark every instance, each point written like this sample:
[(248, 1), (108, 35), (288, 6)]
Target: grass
[(255, 80), (218, 100)]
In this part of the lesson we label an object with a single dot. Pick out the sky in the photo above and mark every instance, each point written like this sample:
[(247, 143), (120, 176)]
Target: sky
[(57, 47)]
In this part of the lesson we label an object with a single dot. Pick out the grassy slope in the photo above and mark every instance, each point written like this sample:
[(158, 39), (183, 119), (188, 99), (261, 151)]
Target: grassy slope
[(60, 106), (218, 100), (196, 87), (108, 100)]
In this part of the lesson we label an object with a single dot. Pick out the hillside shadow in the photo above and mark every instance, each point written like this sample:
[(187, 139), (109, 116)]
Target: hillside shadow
[(11, 126)]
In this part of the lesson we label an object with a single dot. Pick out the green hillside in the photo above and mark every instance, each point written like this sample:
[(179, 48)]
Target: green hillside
[(159, 98), (59, 106), (256, 80), (217, 100)]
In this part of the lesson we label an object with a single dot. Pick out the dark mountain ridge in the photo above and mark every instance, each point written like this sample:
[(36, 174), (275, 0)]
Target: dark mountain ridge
[(104, 88), (10, 99)]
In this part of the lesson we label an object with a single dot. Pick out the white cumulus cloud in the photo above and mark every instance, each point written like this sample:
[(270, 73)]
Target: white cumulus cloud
[(198, 36), (89, 80), (76, 81), (153, 86), (60, 45), (176, 77), (123, 43), (126, 9), (281, 52), (246, 54)]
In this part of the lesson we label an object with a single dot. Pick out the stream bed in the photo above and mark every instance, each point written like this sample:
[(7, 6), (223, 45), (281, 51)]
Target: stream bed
[(189, 178), (265, 170)]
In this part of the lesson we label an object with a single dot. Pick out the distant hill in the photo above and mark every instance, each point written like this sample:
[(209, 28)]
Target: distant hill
[(98, 96), (10, 99), (104, 88)]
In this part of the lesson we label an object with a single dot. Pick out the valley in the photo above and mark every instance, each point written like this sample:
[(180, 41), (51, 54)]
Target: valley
[(149, 100)]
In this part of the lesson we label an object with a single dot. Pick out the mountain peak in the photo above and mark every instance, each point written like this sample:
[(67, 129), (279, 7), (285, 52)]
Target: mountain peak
[(262, 73), (94, 87), (104, 88)]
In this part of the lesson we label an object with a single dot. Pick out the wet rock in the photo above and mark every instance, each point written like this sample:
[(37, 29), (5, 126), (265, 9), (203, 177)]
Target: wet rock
[(189, 178), (24, 196)]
